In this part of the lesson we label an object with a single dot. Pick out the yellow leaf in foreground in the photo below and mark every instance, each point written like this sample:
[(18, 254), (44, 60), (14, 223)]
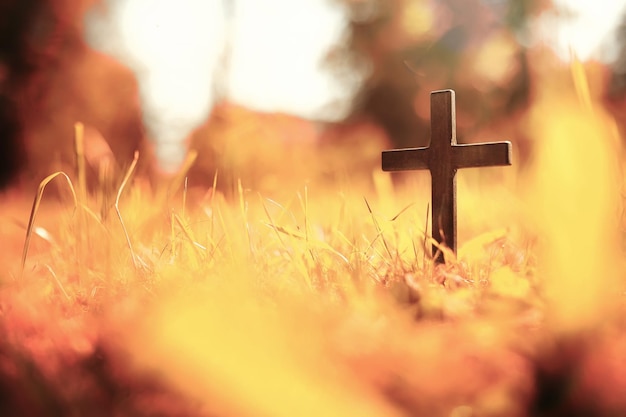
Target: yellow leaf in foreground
[(242, 357), (574, 202)]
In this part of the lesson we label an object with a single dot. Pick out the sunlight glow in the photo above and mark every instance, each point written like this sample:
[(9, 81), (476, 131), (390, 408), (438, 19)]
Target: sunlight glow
[(277, 58), (174, 48), (267, 56), (584, 27)]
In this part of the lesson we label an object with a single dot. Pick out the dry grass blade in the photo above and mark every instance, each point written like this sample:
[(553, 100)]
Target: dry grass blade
[(289, 233), (79, 144), (82, 234), (401, 211), (272, 224), (129, 173), (35, 209), (580, 82), (95, 217), (310, 243), (284, 210), (179, 179), (298, 261), (378, 229), (226, 237), (189, 234), (214, 186), (448, 255), (185, 188), (424, 249), (305, 207), (58, 282), (304, 202), (243, 206), (345, 239), (211, 204)]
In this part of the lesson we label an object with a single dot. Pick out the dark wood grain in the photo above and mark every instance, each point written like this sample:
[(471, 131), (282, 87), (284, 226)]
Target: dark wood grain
[(442, 158)]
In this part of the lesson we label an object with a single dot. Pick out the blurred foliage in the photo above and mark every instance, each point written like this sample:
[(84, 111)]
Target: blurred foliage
[(617, 87), (49, 79), (615, 79), (474, 47)]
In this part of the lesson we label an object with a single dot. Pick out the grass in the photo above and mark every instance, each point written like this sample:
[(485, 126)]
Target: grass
[(322, 298)]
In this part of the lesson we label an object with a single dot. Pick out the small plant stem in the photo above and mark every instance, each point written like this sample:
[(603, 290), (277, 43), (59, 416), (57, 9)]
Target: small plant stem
[(129, 173), (35, 210), (82, 234)]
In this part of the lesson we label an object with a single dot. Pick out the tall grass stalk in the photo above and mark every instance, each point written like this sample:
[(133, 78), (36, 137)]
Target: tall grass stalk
[(35, 208)]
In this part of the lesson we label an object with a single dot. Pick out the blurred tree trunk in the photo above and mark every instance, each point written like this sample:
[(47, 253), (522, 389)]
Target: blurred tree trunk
[(15, 68), (50, 79)]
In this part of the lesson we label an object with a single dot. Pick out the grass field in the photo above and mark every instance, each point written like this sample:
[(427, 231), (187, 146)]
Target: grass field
[(319, 298)]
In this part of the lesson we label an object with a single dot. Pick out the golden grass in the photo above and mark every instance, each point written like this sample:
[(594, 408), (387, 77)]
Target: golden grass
[(322, 300), (35, 209)]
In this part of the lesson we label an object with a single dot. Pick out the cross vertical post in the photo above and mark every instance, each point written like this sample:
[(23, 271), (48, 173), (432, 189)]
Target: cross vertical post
[(442, 158), (443, 174)]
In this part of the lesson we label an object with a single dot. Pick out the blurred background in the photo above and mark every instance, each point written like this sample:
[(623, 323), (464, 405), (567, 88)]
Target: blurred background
[(236, 80)]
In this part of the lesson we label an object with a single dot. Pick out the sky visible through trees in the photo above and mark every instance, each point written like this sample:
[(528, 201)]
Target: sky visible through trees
[(269, 55)]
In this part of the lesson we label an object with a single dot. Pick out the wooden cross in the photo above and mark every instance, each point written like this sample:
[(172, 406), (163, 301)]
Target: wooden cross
[(442, 158)]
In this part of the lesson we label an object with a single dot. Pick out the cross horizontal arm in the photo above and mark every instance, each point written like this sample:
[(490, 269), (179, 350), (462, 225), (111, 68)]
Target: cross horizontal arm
[(481, 155), (405, 159)]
